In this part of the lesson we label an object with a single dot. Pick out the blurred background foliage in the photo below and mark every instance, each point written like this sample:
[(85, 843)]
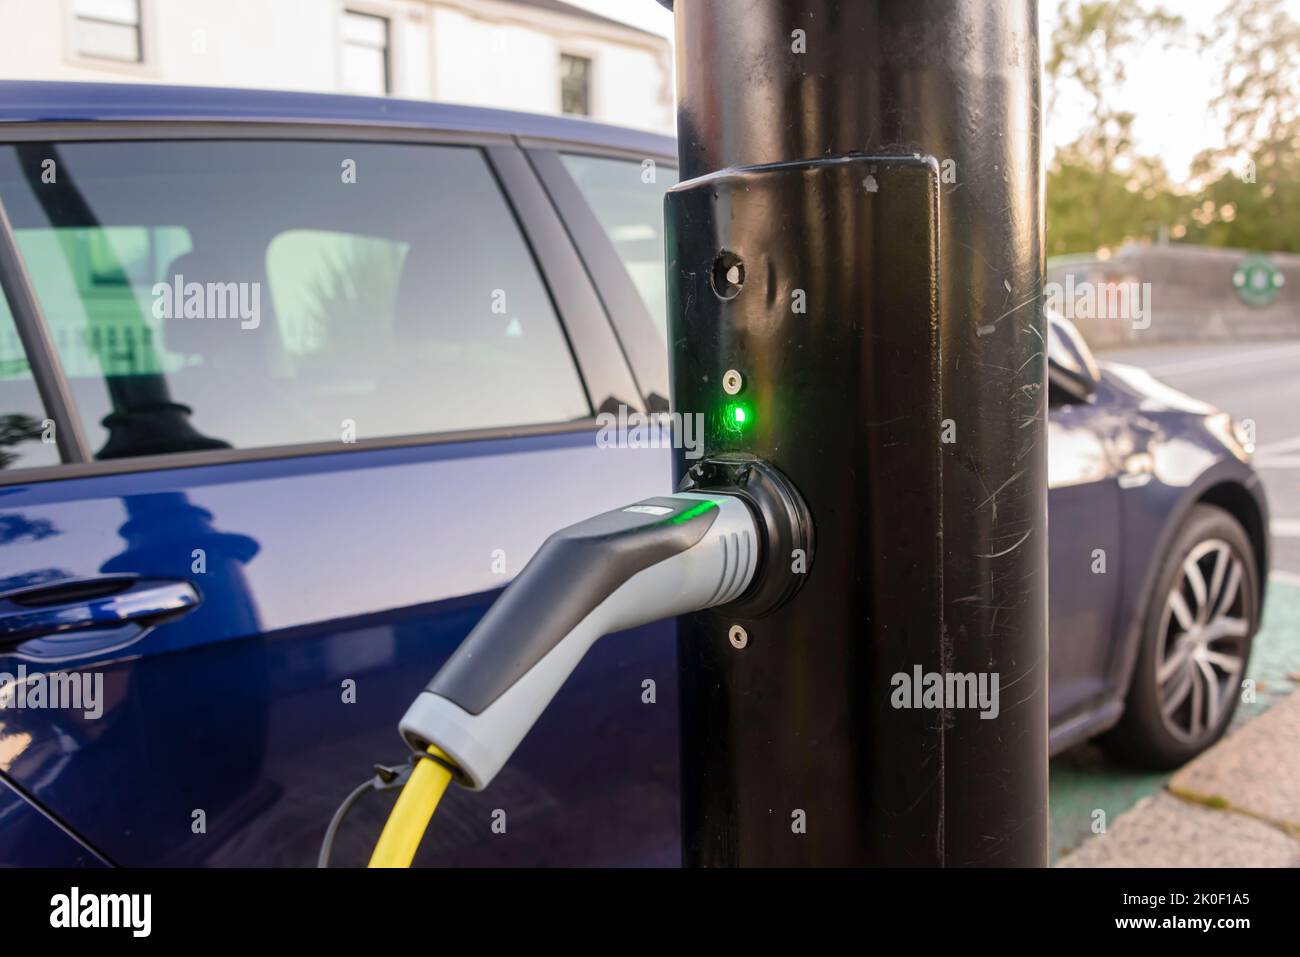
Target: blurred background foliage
[(1103, 193)]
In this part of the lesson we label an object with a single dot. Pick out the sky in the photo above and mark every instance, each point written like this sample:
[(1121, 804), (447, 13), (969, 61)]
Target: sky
[(1169, 91), (646, 14)]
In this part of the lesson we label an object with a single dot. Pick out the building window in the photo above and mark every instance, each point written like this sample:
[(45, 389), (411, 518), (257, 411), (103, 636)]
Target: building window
[(575, 85), (108, 30), (365, 54)]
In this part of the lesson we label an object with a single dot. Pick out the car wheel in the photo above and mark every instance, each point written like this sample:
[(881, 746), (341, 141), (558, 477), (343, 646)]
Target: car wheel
[(1196, 640)]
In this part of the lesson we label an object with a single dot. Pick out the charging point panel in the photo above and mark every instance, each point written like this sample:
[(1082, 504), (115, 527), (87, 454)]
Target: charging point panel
[(838, 385)]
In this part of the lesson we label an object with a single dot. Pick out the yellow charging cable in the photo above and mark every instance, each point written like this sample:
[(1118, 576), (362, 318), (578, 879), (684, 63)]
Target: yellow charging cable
[(411, 814)]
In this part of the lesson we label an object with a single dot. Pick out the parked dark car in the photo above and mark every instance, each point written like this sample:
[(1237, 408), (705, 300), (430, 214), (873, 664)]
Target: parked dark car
[(266, 515)]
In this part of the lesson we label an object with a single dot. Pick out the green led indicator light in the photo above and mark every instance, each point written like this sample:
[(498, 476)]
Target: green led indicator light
[(736, 417)]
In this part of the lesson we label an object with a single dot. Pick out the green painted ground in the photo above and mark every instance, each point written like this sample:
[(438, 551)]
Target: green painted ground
[(1082, 780)]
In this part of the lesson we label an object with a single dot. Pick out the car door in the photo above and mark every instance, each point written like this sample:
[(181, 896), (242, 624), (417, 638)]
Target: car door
[(332, 393), (1085, 561)]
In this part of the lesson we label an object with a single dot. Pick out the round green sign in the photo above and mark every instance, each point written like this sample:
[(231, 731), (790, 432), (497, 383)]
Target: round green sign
[(1257, 280)]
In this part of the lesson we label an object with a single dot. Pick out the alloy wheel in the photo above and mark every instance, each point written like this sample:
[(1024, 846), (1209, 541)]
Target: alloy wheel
[(1203, 635)]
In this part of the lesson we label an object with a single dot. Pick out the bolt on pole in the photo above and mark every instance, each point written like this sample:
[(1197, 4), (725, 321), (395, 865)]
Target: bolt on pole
[(855, 271)]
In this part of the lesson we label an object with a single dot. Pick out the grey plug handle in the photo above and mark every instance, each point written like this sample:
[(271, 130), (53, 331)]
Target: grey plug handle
[(654, 559), (574, 571)]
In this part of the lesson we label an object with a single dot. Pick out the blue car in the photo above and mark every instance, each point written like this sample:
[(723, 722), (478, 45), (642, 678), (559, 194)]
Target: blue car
[(292, 385)]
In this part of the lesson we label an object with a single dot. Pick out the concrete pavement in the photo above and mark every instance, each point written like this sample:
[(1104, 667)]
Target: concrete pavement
[(1237, 805)]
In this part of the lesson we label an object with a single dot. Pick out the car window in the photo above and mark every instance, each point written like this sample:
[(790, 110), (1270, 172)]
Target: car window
[(26, 436), (207, 295), (627, 197)]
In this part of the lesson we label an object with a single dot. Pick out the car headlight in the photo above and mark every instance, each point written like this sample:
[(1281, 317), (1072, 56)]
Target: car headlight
[(1244, 433), (1236, 437)]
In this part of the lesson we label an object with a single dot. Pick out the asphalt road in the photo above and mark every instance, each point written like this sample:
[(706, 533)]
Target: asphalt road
[(1258, 381)]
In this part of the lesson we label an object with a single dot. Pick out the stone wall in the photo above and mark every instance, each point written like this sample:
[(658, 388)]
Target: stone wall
[(1192, 297)]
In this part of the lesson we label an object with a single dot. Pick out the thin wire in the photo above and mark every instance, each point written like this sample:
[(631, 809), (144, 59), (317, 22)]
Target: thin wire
[(376, 783)]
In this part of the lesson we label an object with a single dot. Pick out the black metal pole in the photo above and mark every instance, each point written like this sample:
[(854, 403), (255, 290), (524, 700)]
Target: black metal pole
[(858, 238)]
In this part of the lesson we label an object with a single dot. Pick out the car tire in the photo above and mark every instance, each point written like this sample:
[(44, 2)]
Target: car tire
[(1196, 639)]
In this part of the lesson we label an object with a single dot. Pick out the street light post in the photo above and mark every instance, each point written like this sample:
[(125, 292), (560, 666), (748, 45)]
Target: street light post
[(855, 267)]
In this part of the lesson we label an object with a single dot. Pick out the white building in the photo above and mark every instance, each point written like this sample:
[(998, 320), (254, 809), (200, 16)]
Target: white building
[(543, 56)]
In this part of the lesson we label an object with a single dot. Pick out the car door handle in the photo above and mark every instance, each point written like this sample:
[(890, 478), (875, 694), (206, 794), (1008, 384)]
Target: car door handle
[(90, 603)]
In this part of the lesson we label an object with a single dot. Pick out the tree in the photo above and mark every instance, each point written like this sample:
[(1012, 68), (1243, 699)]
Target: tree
[(1100, 191), (1252, 196)]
